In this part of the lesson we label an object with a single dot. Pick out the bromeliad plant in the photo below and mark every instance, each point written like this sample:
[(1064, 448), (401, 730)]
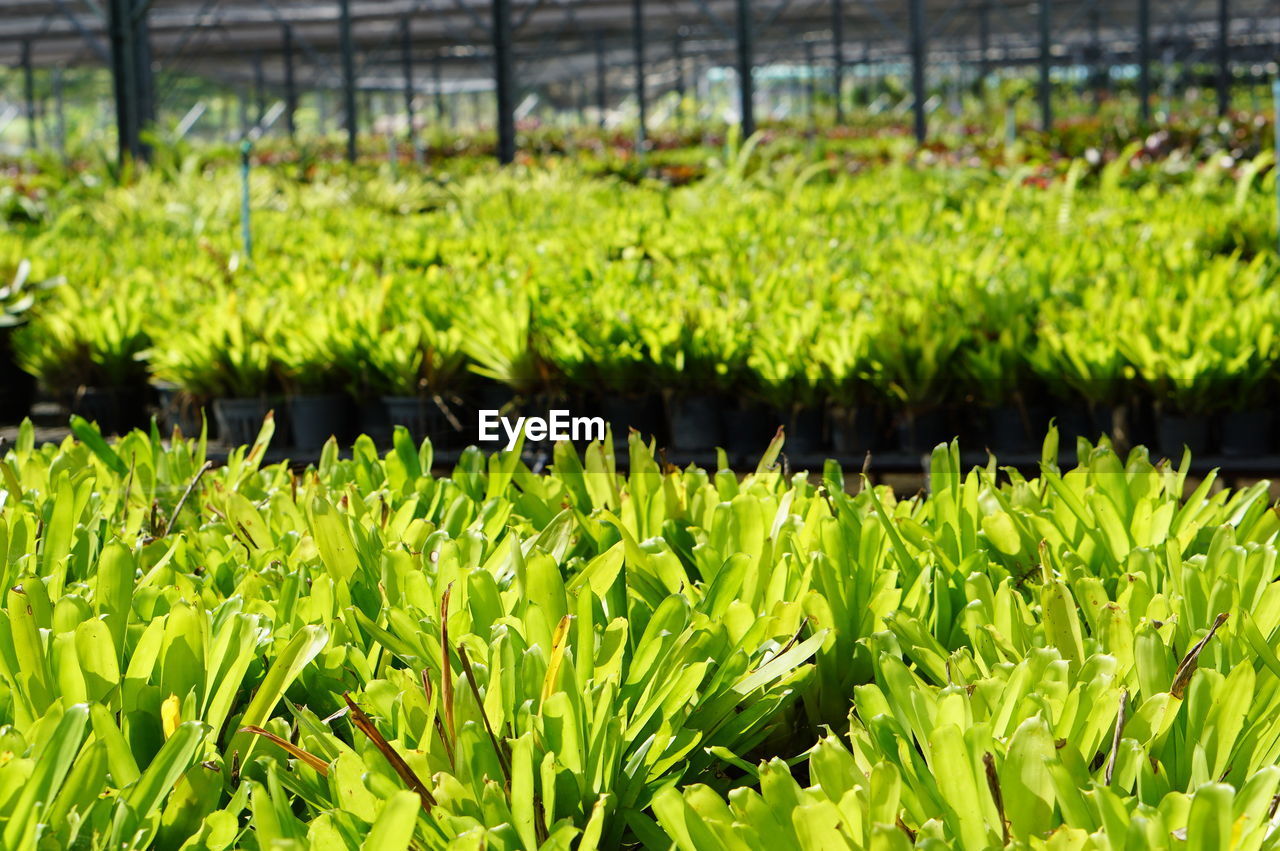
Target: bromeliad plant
[(369, 654), (229, 353), (92, 339)]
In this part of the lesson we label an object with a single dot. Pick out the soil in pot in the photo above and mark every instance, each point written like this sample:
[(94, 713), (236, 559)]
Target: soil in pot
[(1246, 434), (854, 431), (695, 423), (240, 420), (1174, 432), (919, 433), (314, 419)]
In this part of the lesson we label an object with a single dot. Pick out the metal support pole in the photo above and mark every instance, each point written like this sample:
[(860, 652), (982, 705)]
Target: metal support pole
[(503, 83), (810, 87), (437, 80), (125, 25), (259, 89), (637, 43), (984, 44), (1046, 81), (347, 47), (60, 114), (290, 84), (1224, 57), (677, 58), (1144, 60), (746, 69), (837, 61), (602, 93), (144, 79), (1275, 117), (918, 88), (29, 94), (1095, 54), (406, 64)]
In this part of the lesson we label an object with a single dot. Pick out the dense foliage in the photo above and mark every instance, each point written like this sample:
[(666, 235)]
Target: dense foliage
[(774, 279), (366, 655)]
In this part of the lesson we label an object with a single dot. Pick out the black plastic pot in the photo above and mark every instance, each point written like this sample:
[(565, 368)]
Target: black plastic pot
[(854, 431), (623, 413), (373, 422), (17, 387), (695, 423), (179, 409), (1243, 434), (1005, 431), (421, 417), (314, 419), (240, 420), (116, 410), (1080, 421), (919, 433), (488, 396), (748, 429), (806, 431), (1174, 432)]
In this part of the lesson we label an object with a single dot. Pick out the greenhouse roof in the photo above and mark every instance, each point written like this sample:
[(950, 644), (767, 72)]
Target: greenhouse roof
[(558, 39)]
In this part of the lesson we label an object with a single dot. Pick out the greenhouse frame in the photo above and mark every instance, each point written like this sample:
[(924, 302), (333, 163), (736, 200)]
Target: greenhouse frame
[(592, 56)]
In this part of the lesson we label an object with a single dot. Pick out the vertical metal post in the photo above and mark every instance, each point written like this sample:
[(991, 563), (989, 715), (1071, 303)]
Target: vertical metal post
[(984, 44), (1224, 57), (290, 84), (677, 59), (602, 93), (1046, 80), (60, 114), (347, 46), (246, 232), (837, 61), (637, 43), (259, 89), (143, 79), (29, 94), (1275, 102), (918, 88), (406, 66), (1144, 60), (810, 87), (437, 79), (746, 70), (123, 71), (1095, 54), (503, 84)]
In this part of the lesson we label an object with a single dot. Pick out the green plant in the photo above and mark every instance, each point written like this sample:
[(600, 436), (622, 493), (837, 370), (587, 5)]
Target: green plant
[(86, 340), (230, 353)]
